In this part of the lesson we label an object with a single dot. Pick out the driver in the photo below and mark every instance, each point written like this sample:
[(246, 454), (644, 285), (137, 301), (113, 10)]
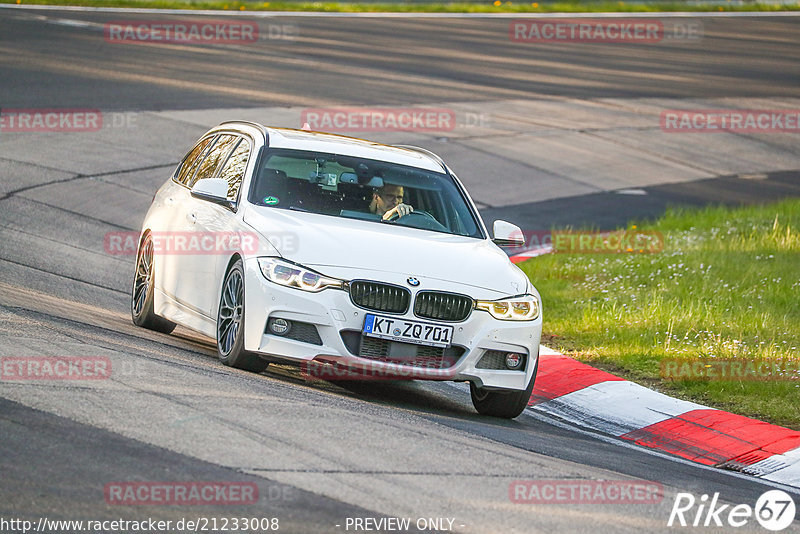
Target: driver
[(387, 201)]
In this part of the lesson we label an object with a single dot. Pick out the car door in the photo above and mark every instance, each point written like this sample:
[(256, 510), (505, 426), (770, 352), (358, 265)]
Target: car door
[(175, 219), (233, 171), (209, 228)]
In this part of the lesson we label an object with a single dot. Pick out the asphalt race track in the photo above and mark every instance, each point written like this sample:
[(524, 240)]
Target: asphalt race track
[(549, 133)]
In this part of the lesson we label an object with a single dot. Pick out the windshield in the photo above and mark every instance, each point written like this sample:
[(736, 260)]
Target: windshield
[(365, 189)]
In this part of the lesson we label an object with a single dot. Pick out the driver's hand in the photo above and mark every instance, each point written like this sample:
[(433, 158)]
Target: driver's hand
[(400, 210)]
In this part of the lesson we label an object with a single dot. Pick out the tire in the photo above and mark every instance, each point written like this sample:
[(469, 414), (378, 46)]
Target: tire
[(507, 404), (142, 292), (230, 324)]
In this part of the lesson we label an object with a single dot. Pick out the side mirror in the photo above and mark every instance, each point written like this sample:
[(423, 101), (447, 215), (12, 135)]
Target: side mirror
[(213, 190), (507, 235)]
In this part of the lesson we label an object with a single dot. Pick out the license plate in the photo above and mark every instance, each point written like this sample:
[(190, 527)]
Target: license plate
[(417, 332)]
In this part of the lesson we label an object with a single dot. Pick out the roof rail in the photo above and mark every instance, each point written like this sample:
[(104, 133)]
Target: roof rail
[(251, 123), (427, 152), (260, 127)]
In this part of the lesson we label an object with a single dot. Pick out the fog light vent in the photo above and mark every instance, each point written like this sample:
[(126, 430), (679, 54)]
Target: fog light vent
[(502, 360), (279, 327), (294, 330), (514, 360)]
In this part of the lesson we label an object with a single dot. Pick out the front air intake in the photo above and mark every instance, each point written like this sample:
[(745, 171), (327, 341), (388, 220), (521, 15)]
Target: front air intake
[(380, 297), (442, 306)]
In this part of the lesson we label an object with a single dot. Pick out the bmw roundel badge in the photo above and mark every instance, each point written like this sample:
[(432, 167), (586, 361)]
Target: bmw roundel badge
[(412, 281)]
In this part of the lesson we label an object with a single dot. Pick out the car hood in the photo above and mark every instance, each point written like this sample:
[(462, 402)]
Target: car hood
[(350, 248)]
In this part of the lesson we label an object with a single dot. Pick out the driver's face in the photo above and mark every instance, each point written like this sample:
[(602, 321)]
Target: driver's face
[(389, 198)]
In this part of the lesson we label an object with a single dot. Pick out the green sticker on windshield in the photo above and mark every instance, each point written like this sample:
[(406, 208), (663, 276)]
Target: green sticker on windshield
[(271, 201)]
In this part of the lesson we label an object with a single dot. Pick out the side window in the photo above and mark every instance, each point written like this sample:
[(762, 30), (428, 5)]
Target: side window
[(233, 170), (222, 147), (191, 161)]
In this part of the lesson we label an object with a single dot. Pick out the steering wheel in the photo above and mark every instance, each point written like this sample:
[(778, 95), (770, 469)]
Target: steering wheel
[(396, 215), (423, 220)]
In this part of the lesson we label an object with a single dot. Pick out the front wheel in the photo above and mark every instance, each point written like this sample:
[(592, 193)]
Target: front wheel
[(507, 404), (230, 324), (142, 292)]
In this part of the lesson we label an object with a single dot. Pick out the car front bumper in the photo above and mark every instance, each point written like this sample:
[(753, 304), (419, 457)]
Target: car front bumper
[(336, 319)]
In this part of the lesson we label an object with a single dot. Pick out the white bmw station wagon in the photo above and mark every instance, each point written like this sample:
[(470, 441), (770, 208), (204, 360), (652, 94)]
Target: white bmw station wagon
[(335, 252)]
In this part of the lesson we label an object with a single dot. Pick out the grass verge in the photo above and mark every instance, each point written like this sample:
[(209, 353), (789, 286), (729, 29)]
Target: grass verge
[(488, 6), (725, 287)]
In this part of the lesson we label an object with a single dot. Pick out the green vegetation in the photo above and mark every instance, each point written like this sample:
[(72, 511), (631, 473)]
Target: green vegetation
[(726, 286), (487, 6)]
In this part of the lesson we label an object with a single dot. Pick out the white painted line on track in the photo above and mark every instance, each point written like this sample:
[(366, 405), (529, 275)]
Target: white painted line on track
[(613, 440), (325, 14), (788, 474), (616, 407), (775, 463), (653, 452), (594, 411)]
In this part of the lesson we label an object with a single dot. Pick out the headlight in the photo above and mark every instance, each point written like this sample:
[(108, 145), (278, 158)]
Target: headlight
[(523, 308), (292, 275)]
